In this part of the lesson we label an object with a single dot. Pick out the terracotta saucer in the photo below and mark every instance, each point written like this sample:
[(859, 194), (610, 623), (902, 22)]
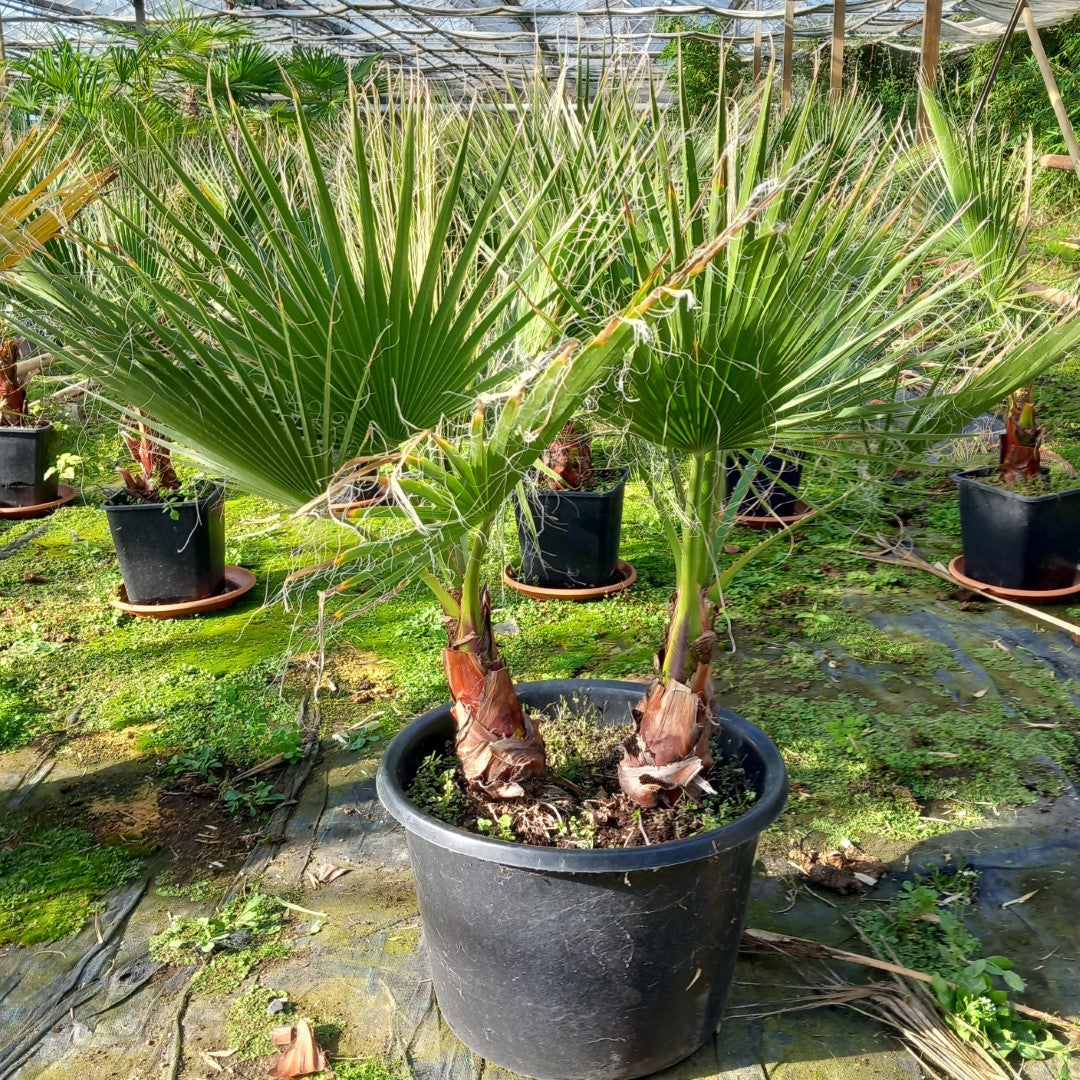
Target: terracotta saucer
[(64, 495), (771, 521), (238, 583), (1021, 596), (628, 575)]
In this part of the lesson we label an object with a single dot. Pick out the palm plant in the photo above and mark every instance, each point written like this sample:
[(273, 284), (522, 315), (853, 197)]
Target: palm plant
[(978, 185), (448, 496), (799, 333), (37, 202), (315, 314)]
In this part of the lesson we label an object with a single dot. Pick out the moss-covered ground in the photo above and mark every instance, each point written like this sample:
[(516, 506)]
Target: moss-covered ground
[(886, 731)]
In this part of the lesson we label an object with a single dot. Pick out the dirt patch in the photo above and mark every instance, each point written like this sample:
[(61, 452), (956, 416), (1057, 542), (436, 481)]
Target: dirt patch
[(127, 821), (200, 837)]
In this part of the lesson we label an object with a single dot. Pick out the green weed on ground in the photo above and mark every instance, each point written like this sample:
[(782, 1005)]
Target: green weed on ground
[(922, 928)]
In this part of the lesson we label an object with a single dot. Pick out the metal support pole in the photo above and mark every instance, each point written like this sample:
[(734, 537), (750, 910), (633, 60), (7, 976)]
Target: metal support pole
[(789, 52), (996, 65)]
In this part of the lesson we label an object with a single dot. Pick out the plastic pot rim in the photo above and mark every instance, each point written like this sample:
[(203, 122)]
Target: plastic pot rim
[(214, 495), (764, 811), (973, 476), (26, 430)]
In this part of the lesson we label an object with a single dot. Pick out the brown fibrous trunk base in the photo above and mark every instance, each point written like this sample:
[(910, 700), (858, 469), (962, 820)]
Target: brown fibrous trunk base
[(498, 745)]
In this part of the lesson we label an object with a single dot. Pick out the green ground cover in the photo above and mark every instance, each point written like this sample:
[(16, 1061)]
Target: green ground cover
[(903, 750)]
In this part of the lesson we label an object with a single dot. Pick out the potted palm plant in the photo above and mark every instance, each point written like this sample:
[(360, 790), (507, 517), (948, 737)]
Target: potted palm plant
[(777, 343), (771, 341), (29, 479), (775, 311), (169, 537), (569, 524), (569, 516), (1020, 524), (772, 500), (1020, 529)]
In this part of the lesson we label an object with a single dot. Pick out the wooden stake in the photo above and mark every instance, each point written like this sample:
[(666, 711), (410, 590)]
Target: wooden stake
[(836, 71), (928, 60), (789, 52), (1052, 88)]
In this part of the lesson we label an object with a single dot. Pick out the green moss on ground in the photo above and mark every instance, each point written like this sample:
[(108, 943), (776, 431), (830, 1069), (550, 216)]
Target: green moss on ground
[(228, 688), (52, 882), (248, 1026)]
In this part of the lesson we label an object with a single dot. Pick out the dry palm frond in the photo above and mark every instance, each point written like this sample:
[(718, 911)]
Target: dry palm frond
[(901, 1001), (901, 553)]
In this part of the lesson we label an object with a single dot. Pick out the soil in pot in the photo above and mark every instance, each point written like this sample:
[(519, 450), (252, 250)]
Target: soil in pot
[(582, 964), (1016, 540), (579, 804), (769, 492), (27, 454), (171, 551), (573, 539)]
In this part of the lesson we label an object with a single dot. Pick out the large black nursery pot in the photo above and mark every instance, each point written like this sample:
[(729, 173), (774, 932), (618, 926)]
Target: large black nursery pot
[(169, 552), (1018, 541), (577, 533), (26, 455), (574, 964), (768, 492)]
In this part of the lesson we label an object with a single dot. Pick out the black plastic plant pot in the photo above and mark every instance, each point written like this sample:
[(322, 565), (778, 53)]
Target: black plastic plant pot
[(768, 492), (1018, 541), (169, 552), (582, 964), (577, 533), (26, 455)]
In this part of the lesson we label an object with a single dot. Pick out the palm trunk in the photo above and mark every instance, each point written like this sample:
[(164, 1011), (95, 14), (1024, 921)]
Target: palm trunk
[(570, 457), (669, 756), (12, 388), (498, 745), (1021, 441)]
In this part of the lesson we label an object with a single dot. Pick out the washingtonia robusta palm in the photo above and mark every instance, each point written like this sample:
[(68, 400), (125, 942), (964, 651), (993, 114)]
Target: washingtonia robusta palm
[(799, 334), (289, 314), (979, 183), (449, 493), (39, 197)]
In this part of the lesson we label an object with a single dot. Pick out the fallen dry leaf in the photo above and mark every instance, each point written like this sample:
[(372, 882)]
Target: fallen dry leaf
[(1020, 899), (301, 1055), (844, 872), (212, 1062), (982, 693), (324, 873)]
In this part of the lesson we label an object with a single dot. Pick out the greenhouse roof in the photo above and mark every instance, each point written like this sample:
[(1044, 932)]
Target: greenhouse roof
[(496, 38)]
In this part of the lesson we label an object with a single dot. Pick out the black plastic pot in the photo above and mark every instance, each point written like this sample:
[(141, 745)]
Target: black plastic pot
[(169, 552), (768, 492), (582, 965), (576, 542), (1018, 541), (26, 455)]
